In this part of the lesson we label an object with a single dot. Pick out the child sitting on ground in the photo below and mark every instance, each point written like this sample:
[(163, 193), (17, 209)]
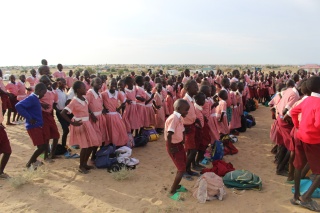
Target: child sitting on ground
[(174, 137)]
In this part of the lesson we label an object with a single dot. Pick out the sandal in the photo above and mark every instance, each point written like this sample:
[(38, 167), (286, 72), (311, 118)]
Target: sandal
[(182, 189), (295, 202), (176, 196), (311, 205)]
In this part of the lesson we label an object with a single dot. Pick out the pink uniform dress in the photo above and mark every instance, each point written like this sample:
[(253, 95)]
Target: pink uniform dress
[(59, 74), (160, 116), (104, 87), (13, 89), (21, 91), (170, 100), (141, 106), (69, 81), (32, 83), (95, 105), (223, 125), (88, 86), (236, 117), (116, 129), (130, 115), (212, 121), (84, 135), (164, 94), (150, 115)]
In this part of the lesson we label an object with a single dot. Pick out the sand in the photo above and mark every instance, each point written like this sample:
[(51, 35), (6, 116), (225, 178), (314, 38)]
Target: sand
[(64, 189)]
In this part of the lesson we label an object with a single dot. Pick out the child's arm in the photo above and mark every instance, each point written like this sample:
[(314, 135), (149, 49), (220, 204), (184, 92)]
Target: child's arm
[(63, 113), (169, 142), (140, 98), (148, 101), (21, 108), (222, 114)]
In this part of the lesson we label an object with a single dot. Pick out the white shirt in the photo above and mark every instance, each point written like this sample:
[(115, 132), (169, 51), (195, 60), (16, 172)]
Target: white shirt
[(62, 99)]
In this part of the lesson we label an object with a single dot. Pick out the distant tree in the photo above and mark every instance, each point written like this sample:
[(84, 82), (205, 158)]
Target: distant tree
[(113, 69), (91, 70), (78, 69), (121, 72)]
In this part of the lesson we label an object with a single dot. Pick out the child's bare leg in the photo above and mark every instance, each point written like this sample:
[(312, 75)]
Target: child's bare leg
[(14, 116), (306, 197), (190, 158), (94, 152), (291, 167), (53, 148), (46, 150), (176, 181), (9, 117), (82, 166), (35, 155), (4, 161), (305, 171), (88, 153)]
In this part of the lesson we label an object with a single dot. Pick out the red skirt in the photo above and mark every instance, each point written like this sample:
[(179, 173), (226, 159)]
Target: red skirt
[(37, 136), (50, 128), (179, 158), (4, 141), (205, 139), (190, 137)]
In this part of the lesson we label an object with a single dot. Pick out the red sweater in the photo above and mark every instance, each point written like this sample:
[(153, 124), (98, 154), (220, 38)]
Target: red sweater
[(309, 127)]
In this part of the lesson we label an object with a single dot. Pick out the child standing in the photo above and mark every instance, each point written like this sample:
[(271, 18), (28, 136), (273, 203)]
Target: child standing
[(191, 144), (235, 107), (221, 113), (141, 99), (174, 137), (130, 114), (4, 96), (158, 103), (81, 131), (116, 129), (12, 89), (225, 86), (5, 148), (59, 73), (32, 80), (30, 108), (86, 79), (150, 116), (70, 80)]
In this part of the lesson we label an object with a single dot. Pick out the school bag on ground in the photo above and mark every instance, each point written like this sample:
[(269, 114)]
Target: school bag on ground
[(251, 118), (305, 185), (140, 141), (105, 157), (228, 147), (60, 150), (209, 186), (130, 142), (243, 127), (242, 179), (150, 133), (219, 167), (217, 151)]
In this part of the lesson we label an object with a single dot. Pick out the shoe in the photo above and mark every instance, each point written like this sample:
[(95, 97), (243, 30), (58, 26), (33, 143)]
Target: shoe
[(4, 176)]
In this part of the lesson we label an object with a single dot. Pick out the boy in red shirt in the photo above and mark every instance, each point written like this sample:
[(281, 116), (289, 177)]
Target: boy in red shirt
[(174, 137), (309, 150)]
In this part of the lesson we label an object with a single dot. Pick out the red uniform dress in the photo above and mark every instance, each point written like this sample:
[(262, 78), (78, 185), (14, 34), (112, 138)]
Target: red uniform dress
[(88, 86), (212, 121), (130, 115), (13, 89), (4, 140), (84, 135), (141, 106), (116, 129), (50, 128), (189, 125), (160, 117), (95, 105), (150, 115)]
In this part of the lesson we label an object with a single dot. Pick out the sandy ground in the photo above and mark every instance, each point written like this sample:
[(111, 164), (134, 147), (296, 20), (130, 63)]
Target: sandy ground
[(64, 189)]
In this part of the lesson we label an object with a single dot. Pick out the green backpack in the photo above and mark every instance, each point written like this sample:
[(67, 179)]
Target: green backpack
[(242, 179)]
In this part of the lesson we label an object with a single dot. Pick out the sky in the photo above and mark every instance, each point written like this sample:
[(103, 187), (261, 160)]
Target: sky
[(159, 32)]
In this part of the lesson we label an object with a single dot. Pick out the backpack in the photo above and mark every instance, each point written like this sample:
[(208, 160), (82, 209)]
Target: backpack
[(305, 185), (243, 127), (229, 148), (60, 150), (249, 123), (140, 141), (103, 158), (150, 133), (130, 142), (242, 179), (250, 117), (217, 151), (209, 186), (219, 167)]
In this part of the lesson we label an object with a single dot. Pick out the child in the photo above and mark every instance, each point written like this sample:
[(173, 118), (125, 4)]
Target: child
[(116, 129), (70, 80), (225, 86), (170, 97), (186, 76), (12, 89), (59, 73), (158, 103), (50, 128), (235, 107), (150, 116), (130, 114), (21, 93), (30, 108), (140, 99), (86, 80), (221, 113), (59, 106), (174, 137), (5, 148), (309, 150), (81, 131), (191, 144), (4, 96), (97, 120), (202, 130), (121, 89), (32, 80)]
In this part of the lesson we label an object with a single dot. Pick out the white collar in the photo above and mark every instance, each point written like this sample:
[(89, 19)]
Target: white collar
[(158, 94), (177, 114), (149, 95), (21, 82), (198, 106), (115, 95), (189, 98), (234, 78), (295, 91), (139, 87), (81, 101), (314, 94), (94, 93), (129, 90), (59, 71), (304, 97), (35, 95)]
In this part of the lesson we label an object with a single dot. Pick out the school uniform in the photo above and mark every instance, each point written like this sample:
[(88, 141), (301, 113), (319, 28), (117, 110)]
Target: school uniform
[(308, 133), (130, 114), (202, 132), (141, 107), (12, 88), (236, 115), (69, 81), (185, 79), (59, 74), (49, 125), (174, 124), (95, 104), (4, 97), (87, 85), (150, 116), (170, 100), (83, 135), (32, 83), (223, 125), (4, 140), (189, 125), (21, 91), (160, 116), (116, 128), (212, 120), (30, 108)]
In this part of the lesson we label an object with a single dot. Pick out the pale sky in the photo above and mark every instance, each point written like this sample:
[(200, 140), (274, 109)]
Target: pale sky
[(160, 32)]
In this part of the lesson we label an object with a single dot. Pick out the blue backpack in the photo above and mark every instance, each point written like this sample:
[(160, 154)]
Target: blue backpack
[(305, 185), (103, 159), (217, 151)]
